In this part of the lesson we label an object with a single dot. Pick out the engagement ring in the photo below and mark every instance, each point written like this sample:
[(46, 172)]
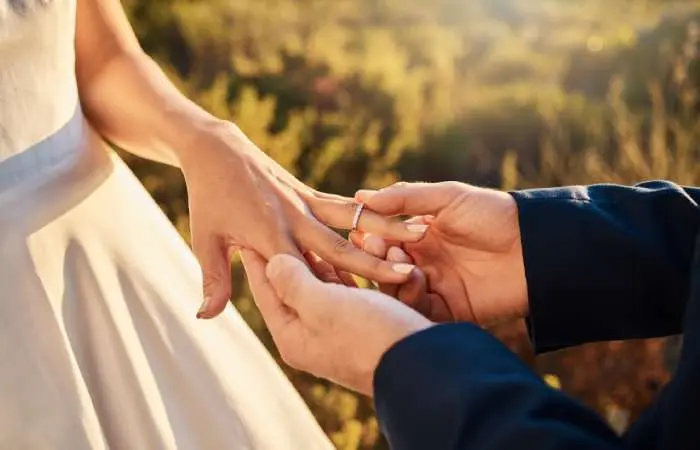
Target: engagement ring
[(358, 213)]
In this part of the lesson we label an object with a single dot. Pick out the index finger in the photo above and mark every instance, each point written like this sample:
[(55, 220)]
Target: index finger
[(415, 199)]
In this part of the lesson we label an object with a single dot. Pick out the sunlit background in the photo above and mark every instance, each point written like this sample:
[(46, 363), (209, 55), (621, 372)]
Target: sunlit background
[(504, 93)]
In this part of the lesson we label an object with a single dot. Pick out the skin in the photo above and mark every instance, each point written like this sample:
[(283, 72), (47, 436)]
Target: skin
[(471, 255), (469, 268), (323, 327), (414, 292), (239, 198)]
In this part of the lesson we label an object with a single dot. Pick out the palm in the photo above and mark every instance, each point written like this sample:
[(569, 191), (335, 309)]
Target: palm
[(468, 256)]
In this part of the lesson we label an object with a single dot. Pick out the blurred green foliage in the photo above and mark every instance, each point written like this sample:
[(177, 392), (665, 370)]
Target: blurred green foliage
[(504, 93)]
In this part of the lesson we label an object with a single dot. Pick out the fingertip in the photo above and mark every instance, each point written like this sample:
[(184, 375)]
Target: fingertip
[(344, 255), (398, 231), (203, 311), (413, 232), (403, 269), (217, 293), (216, 307), (414, 290), (278, 264), (382, 271), (396, 254), (356, 238), (417, 229), (374, 245), (291, 278), (212, 306)]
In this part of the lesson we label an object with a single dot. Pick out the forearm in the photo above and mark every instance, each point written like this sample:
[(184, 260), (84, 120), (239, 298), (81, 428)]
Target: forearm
[(607, 262), (130, 102), (455, 387)]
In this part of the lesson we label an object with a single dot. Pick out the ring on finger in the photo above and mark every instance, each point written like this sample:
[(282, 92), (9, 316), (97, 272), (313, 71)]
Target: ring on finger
[(356, 219)]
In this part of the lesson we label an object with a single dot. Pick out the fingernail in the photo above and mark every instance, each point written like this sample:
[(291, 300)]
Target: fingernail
[(203, 309), (403, 268), (417, 228), (396, 254), (364, 194)]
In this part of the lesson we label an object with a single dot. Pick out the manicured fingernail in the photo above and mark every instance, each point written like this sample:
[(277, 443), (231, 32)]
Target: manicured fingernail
[(364, 194), (403, 268), (396, 254), (203, 309), (417, 228)]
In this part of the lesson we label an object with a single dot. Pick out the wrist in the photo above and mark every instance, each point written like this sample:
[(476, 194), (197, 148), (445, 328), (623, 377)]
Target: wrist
[(208, 135), (514, 295)]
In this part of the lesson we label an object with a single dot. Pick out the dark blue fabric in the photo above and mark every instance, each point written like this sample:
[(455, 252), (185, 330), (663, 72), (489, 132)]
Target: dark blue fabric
[(602, 262), (607, 262)]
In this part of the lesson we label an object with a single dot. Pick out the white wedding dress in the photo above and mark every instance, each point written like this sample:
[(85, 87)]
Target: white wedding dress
[(99, 344)]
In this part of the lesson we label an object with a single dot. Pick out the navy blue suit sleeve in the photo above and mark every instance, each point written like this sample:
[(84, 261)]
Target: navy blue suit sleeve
[(456, 387), (606, 262)]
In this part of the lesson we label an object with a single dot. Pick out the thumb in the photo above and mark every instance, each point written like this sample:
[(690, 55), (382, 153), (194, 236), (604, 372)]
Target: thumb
[(293, 282), (412, 198), (214, 260)]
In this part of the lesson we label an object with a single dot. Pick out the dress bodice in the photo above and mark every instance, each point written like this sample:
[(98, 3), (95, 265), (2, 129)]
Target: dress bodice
[(38, 92)]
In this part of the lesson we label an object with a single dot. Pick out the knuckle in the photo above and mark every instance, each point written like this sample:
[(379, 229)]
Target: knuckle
[(290, 357), (298, 222), (454, 187), (350, 208), (398, 185), (376, 265), (342, 246)]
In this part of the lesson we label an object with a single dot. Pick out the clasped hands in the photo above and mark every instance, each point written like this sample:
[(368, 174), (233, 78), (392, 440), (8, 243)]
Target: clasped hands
[(468, 267)]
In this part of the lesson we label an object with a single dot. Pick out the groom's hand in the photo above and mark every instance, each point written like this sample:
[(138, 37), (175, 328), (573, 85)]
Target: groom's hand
[(325, 328), (471, 253)]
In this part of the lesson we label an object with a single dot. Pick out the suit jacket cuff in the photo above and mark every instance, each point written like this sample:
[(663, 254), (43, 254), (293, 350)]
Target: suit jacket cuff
[(454, 386), (605, 262)]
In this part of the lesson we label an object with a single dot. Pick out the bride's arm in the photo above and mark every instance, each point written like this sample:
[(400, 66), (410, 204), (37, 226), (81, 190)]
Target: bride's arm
[(238, 197), (124, 93)]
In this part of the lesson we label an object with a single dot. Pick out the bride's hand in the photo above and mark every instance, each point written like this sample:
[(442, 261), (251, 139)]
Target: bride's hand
[(240, 198)]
